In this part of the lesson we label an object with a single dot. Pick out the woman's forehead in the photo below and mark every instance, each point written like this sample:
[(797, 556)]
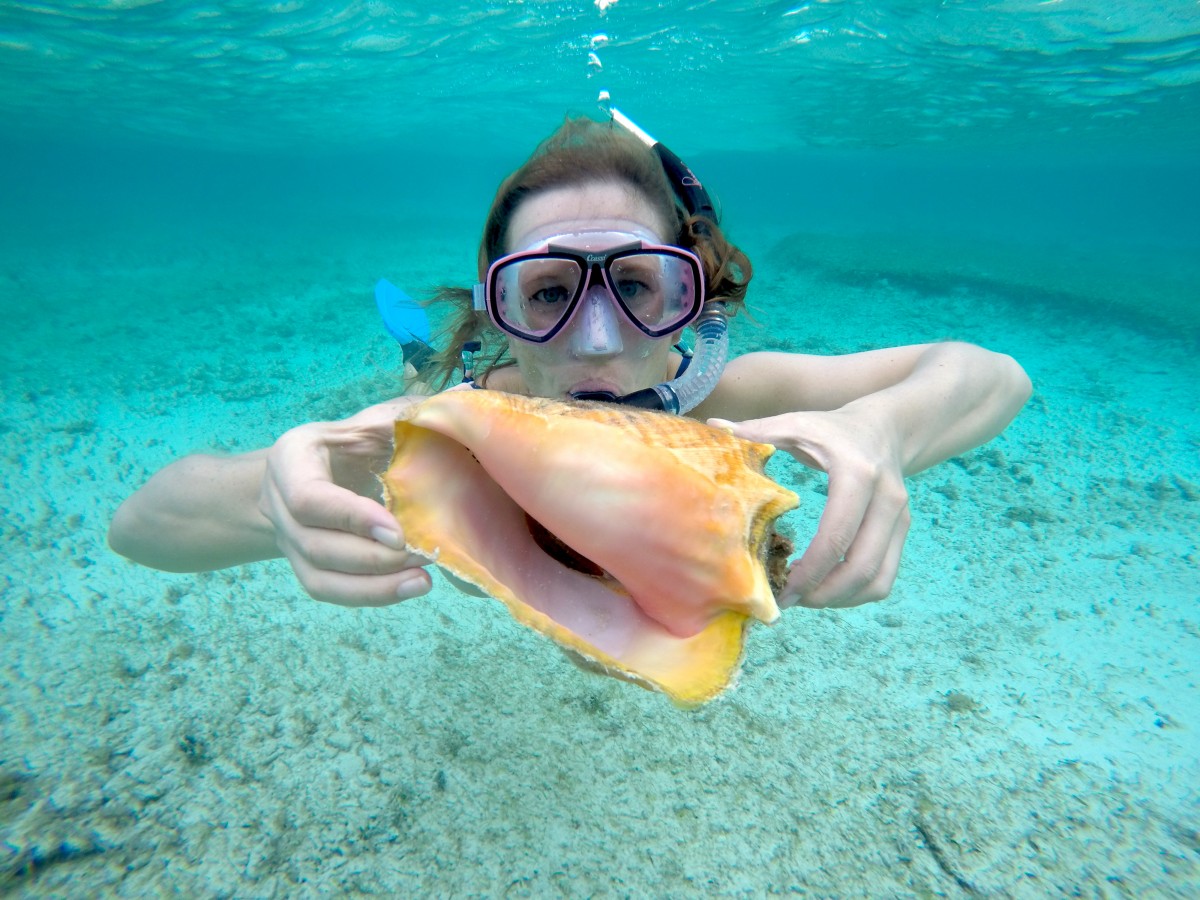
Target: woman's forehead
[(593, 208)]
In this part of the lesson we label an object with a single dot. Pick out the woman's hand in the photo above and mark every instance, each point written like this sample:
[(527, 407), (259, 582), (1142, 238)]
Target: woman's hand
[(855, 554), (321, 494)]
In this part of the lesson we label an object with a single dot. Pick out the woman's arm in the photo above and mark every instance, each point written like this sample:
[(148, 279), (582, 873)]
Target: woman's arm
[(867, 420), (936, 400), (312, 497), (197, 514)]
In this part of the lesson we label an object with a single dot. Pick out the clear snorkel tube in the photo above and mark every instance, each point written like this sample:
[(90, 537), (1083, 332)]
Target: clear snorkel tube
[(687, 391)]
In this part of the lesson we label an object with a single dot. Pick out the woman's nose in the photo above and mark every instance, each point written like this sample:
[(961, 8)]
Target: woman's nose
[(596, 330)]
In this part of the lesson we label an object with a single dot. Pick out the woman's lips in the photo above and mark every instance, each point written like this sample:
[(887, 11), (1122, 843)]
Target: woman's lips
[(594, 385)]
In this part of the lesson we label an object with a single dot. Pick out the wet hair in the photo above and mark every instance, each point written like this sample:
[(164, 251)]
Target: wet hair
[(582, 151)]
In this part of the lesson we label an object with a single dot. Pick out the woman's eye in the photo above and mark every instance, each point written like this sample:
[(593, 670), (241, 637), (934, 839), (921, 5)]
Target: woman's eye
[(631, 289), (550, 295)]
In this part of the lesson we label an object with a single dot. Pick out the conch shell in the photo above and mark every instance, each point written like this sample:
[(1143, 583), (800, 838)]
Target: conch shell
[(635, 539)]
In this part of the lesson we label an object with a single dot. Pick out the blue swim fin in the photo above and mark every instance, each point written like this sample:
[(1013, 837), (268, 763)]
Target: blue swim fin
[(405, 320)]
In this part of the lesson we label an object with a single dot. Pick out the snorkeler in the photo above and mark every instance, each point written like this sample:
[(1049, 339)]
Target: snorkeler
[(596, 254)]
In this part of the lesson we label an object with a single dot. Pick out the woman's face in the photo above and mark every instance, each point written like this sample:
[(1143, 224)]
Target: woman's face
[(598, 350)]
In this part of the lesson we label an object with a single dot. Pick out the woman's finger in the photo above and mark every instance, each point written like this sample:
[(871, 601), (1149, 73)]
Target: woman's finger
[(362, 590), (783, 432), (845, 508), (340, 551), (344, 547), (300, 486), (322, 504), (869, 569)]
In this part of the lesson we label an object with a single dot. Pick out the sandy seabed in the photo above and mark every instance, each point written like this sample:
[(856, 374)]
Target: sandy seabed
[(1018, 719)]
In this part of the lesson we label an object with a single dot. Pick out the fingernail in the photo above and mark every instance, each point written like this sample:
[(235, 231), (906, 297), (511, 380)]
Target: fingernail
[(388, 537), (411, 587)]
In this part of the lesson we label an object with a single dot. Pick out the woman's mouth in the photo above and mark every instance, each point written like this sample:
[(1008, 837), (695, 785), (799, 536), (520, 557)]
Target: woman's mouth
[(593, 386)]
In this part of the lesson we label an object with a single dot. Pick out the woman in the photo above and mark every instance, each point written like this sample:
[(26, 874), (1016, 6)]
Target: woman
[(594, 192)]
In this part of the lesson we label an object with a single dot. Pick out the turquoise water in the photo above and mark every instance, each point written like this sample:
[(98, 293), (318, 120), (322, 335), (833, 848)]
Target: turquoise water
[(196, 203)]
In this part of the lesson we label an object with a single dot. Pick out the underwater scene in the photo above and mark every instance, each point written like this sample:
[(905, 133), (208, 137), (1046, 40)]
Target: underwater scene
[(196, 203)]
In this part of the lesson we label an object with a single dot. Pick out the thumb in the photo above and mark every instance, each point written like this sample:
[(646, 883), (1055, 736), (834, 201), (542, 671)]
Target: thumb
[(383, 415), (781, 433), (751, 430)]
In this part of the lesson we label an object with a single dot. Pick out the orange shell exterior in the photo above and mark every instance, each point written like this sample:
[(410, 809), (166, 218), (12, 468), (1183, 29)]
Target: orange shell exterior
[(667, 500)]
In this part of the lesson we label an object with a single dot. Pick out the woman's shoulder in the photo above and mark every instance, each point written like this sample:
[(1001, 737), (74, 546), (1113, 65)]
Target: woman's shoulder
[(505, 378)]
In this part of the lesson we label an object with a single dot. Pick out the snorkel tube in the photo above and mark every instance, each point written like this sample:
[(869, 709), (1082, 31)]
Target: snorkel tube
[(684, 182), (688, 390), (685, 393)]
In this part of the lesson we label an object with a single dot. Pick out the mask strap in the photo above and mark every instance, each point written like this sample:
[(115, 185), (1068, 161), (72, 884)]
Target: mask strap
[(469, 349)]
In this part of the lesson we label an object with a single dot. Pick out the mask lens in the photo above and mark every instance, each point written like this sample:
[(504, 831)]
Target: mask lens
[(533, 295), (655, 288)]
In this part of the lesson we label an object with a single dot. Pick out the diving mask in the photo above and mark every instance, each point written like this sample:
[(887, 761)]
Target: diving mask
[(533, 294)]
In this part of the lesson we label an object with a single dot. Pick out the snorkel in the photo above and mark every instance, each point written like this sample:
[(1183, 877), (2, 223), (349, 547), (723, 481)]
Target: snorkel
[(686, 391), (687, 186)]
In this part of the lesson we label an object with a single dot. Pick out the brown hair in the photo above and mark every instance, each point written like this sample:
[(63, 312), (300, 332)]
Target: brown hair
[(583, 151)]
